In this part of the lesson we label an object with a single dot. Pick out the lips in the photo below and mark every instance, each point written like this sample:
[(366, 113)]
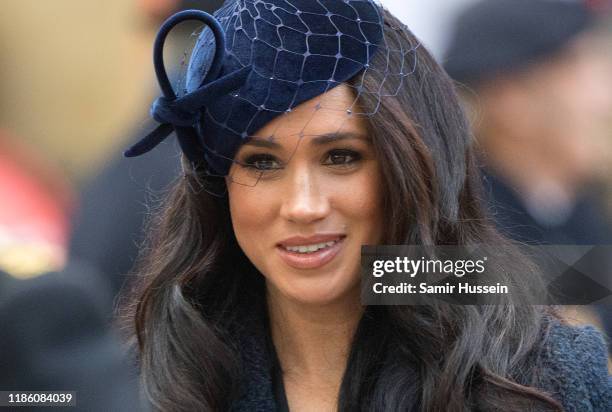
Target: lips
[(310, 252), (310, 248)]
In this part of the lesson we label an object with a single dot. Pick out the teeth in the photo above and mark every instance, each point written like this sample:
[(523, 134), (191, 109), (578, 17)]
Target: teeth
[(310, 248)]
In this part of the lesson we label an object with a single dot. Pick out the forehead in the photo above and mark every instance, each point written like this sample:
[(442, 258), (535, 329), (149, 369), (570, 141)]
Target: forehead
[(331, 112)]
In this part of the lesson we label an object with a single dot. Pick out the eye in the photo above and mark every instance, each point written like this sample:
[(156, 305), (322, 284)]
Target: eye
[(342, 157), (261, 162)]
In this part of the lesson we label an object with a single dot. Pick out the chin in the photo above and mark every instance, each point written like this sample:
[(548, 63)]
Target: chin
[(321, 291), (318, 298)]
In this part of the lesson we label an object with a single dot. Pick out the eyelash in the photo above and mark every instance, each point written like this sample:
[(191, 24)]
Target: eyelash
[(251, 161), (355, 156)]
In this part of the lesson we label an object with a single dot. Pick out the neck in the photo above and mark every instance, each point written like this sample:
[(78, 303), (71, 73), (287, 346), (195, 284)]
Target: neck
[(313, 341)]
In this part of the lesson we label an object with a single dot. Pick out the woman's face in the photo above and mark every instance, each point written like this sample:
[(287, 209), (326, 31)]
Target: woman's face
[(316, 203)]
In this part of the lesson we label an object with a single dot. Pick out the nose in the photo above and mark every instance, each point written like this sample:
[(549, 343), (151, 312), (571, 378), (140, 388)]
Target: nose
[(304, 201)]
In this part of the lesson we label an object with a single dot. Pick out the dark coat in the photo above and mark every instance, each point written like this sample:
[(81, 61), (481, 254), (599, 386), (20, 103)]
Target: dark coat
[(55, 337), (587, 224), (573, 369)]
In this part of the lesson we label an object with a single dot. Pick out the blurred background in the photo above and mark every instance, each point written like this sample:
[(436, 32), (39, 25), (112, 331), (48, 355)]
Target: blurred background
[(76, 83)]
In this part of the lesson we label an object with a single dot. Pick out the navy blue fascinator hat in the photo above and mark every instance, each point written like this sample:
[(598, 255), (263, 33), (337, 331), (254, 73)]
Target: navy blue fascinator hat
[(254, 61)]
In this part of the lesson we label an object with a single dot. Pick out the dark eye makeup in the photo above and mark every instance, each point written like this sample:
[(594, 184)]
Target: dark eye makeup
[(342, 157), (261, 162), (264, 162)]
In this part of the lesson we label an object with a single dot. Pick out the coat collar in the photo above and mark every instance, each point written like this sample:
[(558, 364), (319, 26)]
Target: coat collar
[(257, 355)]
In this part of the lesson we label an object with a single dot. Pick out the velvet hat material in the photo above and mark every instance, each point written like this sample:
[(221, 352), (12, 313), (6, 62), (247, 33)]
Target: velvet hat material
[(254, 61)]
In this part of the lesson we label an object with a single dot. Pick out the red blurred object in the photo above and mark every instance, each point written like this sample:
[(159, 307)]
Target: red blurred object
[(34, 214), (599, 5)]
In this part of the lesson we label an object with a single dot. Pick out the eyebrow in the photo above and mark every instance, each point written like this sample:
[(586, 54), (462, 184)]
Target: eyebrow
[(319, 140)]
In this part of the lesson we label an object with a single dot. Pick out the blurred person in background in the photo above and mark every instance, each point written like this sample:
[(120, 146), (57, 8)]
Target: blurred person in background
[(115, 203), (53, 312), (55, 334), (537, 79), (55, 337), (604, 7)]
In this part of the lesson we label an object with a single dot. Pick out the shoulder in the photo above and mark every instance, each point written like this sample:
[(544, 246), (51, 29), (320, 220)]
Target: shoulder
[(78, 286), (573, 367)]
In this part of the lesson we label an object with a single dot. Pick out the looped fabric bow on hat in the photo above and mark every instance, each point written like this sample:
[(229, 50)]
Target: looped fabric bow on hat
[(256, 60), (183, 113)]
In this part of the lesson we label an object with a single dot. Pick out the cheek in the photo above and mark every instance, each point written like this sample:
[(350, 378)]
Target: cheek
[(360, 200), (251, 215)]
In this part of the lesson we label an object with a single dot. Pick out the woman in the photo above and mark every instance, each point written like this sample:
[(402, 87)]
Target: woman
[(247, 297)]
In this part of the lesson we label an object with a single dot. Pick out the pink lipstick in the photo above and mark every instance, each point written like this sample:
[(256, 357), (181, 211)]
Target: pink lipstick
[(310, 252)]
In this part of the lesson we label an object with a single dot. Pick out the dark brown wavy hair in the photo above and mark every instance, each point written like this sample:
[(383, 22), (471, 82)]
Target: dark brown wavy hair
[(192, 275)]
